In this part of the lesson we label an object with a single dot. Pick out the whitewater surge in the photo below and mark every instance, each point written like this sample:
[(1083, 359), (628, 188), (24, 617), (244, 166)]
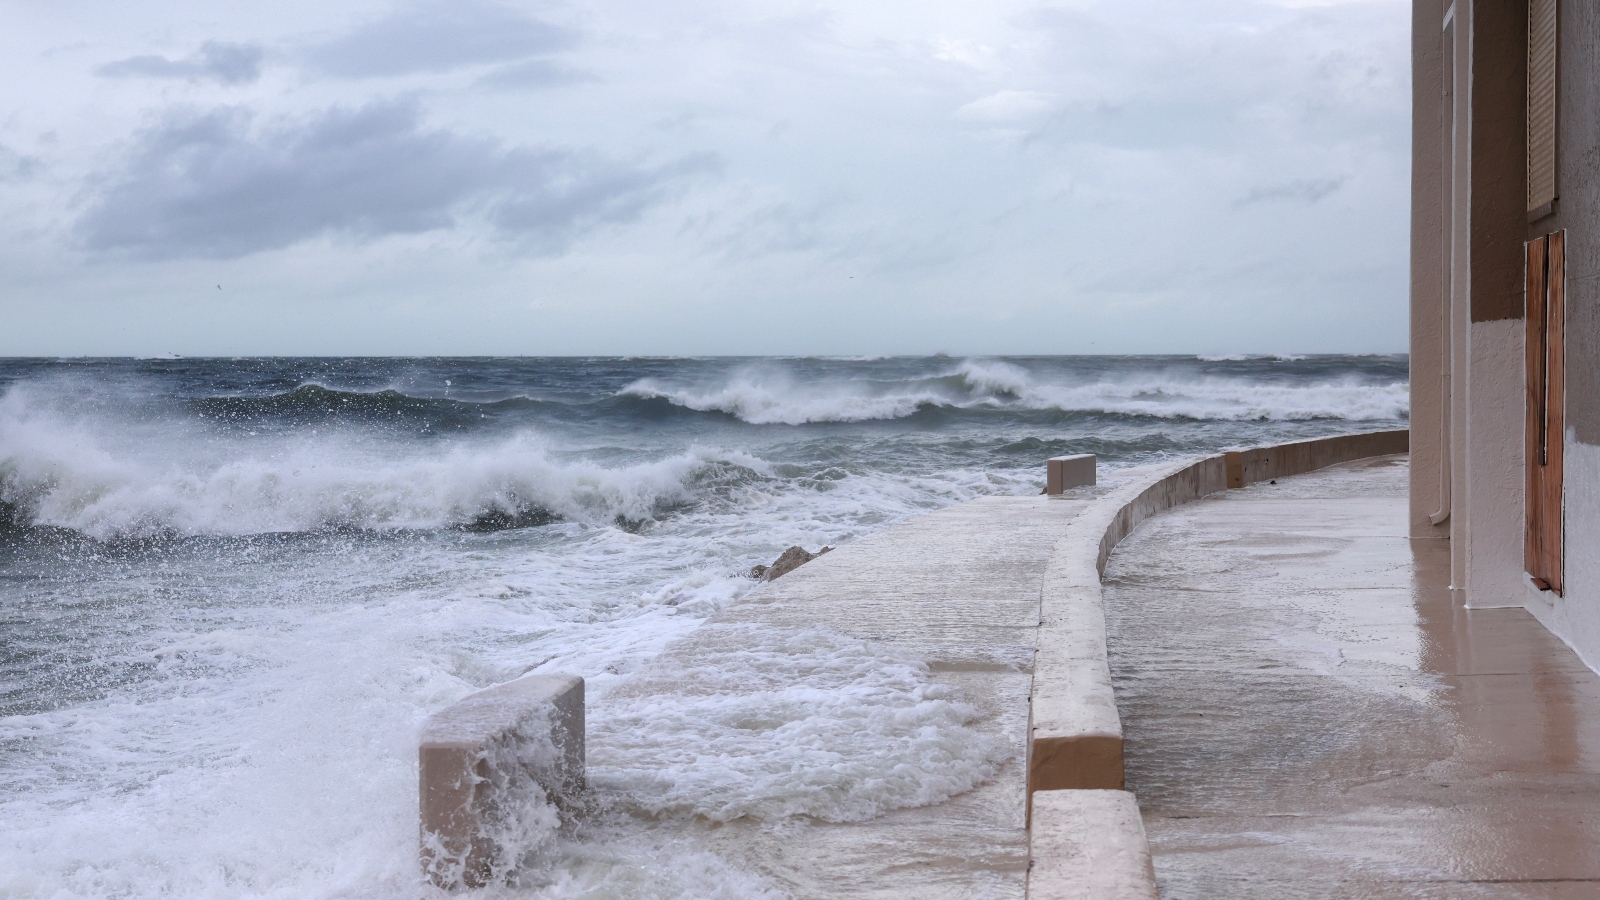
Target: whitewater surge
[(232, 590), (778, 723), (80, 474), (760, 396)]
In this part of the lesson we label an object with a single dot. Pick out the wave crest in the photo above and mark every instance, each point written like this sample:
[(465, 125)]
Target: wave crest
[(765, 397), (114, 480)]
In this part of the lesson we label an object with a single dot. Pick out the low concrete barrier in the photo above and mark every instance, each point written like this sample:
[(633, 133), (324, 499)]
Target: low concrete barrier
[(488, 767), (1075, 733), (1088, 845), (1279, 461), (1063, 473)]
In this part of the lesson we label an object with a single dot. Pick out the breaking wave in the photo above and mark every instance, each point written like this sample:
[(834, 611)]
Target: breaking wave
[(1241, 357), (764, 396), (110, 479)]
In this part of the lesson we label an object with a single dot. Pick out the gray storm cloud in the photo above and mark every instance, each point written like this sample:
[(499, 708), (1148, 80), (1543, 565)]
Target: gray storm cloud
[(615, 176), (1305, 190), (214, 184), (533, 73), (216, 61), (15, 166), (436, 37)]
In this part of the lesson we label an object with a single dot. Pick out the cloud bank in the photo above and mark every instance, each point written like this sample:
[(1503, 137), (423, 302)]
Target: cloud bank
[(682, 176), (218, 184), (216, 61), (438, 37)]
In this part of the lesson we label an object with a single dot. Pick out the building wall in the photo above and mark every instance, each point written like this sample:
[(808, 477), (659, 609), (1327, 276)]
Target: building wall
[(1469, 224), (1494, 471), (1496, 227), (1468, 227), (1575, 616)]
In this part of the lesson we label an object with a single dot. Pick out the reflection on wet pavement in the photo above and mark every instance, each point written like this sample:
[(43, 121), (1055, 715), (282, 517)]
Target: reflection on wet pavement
[(1310, 714)]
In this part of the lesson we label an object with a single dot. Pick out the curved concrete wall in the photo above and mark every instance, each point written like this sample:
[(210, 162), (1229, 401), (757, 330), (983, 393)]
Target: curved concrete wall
[(1280, 460), (1074, 730), (1075, 734)]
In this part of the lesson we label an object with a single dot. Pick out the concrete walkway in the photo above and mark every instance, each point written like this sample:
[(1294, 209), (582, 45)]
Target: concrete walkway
[(957, 589), (1308, 714)]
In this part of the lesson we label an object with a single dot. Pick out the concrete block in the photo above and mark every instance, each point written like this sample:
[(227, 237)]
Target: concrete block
[(1063, 473), (1088, 845), (488, 767)]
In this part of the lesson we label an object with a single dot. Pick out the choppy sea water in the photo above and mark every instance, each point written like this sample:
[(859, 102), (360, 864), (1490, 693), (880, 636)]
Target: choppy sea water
[(231, 590)]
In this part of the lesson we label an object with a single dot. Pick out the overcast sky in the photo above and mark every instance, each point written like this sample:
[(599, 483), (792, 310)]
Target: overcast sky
[(703, 176)]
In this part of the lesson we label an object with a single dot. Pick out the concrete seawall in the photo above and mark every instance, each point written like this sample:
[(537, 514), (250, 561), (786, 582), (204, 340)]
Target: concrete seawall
[(1075, 731), (1000, 600), (1075, 736)]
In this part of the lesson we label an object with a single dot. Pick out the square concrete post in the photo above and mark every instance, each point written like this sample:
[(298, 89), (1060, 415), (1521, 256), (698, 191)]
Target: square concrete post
[(474, 754), (1062, 473)]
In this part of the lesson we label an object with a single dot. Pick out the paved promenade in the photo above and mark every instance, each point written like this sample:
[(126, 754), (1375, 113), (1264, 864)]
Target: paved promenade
[(1308, 714), (957, 589)]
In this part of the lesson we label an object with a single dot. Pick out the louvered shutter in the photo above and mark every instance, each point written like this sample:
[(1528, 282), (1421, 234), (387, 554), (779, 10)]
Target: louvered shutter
[(1541, 103)]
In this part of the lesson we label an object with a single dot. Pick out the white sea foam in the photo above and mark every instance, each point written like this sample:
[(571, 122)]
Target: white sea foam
[(272, 752), (763, 396), (266, 747), (990, 378), (107, 478), (768, 724), (768, 398), (1229, 399), (276, 757)]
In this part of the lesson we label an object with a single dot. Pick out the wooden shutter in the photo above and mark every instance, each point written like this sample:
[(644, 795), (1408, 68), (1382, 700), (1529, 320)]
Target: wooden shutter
[(1546, 425), (1541, 104)]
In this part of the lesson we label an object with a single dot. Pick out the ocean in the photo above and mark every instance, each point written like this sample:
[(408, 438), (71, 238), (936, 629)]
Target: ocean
[(232, 589)]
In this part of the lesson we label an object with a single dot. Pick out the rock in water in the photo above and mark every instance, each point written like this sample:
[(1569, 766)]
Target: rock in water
[(791, 559)]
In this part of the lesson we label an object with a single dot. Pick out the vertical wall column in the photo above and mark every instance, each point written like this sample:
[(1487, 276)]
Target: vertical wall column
[(1496, 195), (1456, 32), (1430, 334)]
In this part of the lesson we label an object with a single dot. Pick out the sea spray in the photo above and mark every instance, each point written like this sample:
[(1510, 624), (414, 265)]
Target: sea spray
[(759, 396), (77, 473), (232, 590)]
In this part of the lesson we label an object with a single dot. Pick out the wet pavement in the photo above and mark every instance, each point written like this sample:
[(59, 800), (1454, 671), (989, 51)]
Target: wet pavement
[(1310, 714), (915, 810)]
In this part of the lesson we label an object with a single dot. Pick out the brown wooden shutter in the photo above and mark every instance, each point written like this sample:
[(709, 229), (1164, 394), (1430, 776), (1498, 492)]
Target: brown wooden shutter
[(1541, 104), (1546, 427)]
